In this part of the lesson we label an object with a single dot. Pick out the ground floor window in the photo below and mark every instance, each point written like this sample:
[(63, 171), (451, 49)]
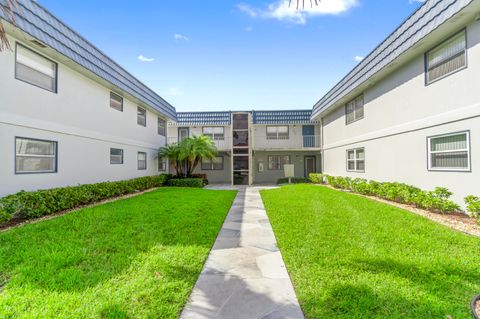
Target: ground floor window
[(276, 162), (35, 156), (356, 160), (215, 164), (116, 156), (449, 152), (142, 160), (162, 164)]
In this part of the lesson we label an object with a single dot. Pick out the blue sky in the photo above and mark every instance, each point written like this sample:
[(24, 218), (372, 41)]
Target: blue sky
[(235, 55)]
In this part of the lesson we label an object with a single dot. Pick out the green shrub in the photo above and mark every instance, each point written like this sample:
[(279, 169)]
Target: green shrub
[(44, 202), (203, 177), (315, 178), (294, 180), (473, 206), (361, 186), (186, 182)]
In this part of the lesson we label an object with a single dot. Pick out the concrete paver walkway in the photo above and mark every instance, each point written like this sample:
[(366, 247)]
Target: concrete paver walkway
[(244, 276)]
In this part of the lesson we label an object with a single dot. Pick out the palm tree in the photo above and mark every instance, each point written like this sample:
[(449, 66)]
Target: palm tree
[(7, 13), (172, 152), (194, 149)]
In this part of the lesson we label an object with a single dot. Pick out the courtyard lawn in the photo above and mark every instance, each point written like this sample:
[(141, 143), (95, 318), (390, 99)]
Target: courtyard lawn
[(133, 258), (352, 257)]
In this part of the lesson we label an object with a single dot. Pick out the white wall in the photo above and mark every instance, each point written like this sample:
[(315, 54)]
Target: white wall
[(80, 118), (400, 113), (294, 141)]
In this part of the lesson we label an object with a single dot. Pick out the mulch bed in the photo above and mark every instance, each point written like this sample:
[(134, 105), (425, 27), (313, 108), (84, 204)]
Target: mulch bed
[(18, 221), (458, 221)]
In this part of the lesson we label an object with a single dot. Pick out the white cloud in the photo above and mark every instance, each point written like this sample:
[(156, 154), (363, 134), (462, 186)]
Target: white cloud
[(174, 91), (248, 29), (180, 37), (282, 10), (358, 58), (145, 59)]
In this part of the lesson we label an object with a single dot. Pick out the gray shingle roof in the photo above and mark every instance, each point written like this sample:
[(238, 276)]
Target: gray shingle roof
[(282, 117), (203, 118), (42, 25), (423, 21)]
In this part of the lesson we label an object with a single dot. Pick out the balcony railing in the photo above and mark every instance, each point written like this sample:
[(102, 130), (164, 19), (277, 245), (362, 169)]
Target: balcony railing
[(286, 142), (222, 145)]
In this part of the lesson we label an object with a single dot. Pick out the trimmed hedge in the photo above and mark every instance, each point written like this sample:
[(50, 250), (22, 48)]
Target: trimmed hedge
[(473, 206), (294, 180), (315, 178), (186, 182), (437, 200), (45, 202)]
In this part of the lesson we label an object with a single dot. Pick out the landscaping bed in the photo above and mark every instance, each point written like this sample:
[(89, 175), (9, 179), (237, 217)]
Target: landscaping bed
[(352, 257), (133, 258)]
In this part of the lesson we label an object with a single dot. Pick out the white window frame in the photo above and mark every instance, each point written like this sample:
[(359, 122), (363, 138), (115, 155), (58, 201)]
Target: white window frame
[(355, 160), (428, 66), (449, 169), (215, 136), (356, 109), (279, 164), (277, 133), (26, 80), (141, 120), (112, 95), (139, 161), (162, 164), (54, 156)]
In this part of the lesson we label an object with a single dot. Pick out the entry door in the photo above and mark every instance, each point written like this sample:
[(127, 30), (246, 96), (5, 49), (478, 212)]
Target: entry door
[(308, 132), (310, 166), (182, 133)]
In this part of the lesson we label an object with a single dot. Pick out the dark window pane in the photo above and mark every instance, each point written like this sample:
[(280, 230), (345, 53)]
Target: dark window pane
[(240, 138), (240, 163), (240, 178), (240, 151), (240, 121)]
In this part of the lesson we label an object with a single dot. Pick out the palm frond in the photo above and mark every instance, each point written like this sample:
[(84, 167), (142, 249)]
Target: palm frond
[(8, 12)]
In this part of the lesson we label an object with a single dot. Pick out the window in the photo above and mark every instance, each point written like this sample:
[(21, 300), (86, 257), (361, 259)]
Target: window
[(162, 164), (215, 133), (215, 164), (141, 116), (448, 57), (162, 124), (277, 132), (240, 121), (142, 160), (35, 156), (449, 152), (116, 102), (116, 156), (354, 110), (356, 160), (276, 162), (35, 69)]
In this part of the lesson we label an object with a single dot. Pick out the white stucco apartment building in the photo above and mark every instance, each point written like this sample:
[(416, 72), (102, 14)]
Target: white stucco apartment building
[(410, 111), (69, 114)]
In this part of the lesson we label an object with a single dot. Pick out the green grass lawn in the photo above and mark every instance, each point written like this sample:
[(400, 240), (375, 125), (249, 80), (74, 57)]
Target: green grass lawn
[(134, 258), (351, 257)]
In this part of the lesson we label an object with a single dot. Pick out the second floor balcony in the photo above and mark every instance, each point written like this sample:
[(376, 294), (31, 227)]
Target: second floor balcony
[(224, 144), (295, 142)]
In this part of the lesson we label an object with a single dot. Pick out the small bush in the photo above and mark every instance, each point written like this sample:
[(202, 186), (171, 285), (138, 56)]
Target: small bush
[(203, 177), (186, 182), (315, 178), (44, 202), (294, 180), (473, 206)]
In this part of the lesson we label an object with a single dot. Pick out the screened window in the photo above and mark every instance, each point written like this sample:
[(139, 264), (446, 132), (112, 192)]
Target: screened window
[(215, 133), (35, 69), (447, 58), (162, 127), (356, 160), (116, 156), (276, 162), (277, 132), (116, 102), (141, 116), (142, 160), (215, 164), (162, 164), (35, 156), (449, 152), (354, 110)]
